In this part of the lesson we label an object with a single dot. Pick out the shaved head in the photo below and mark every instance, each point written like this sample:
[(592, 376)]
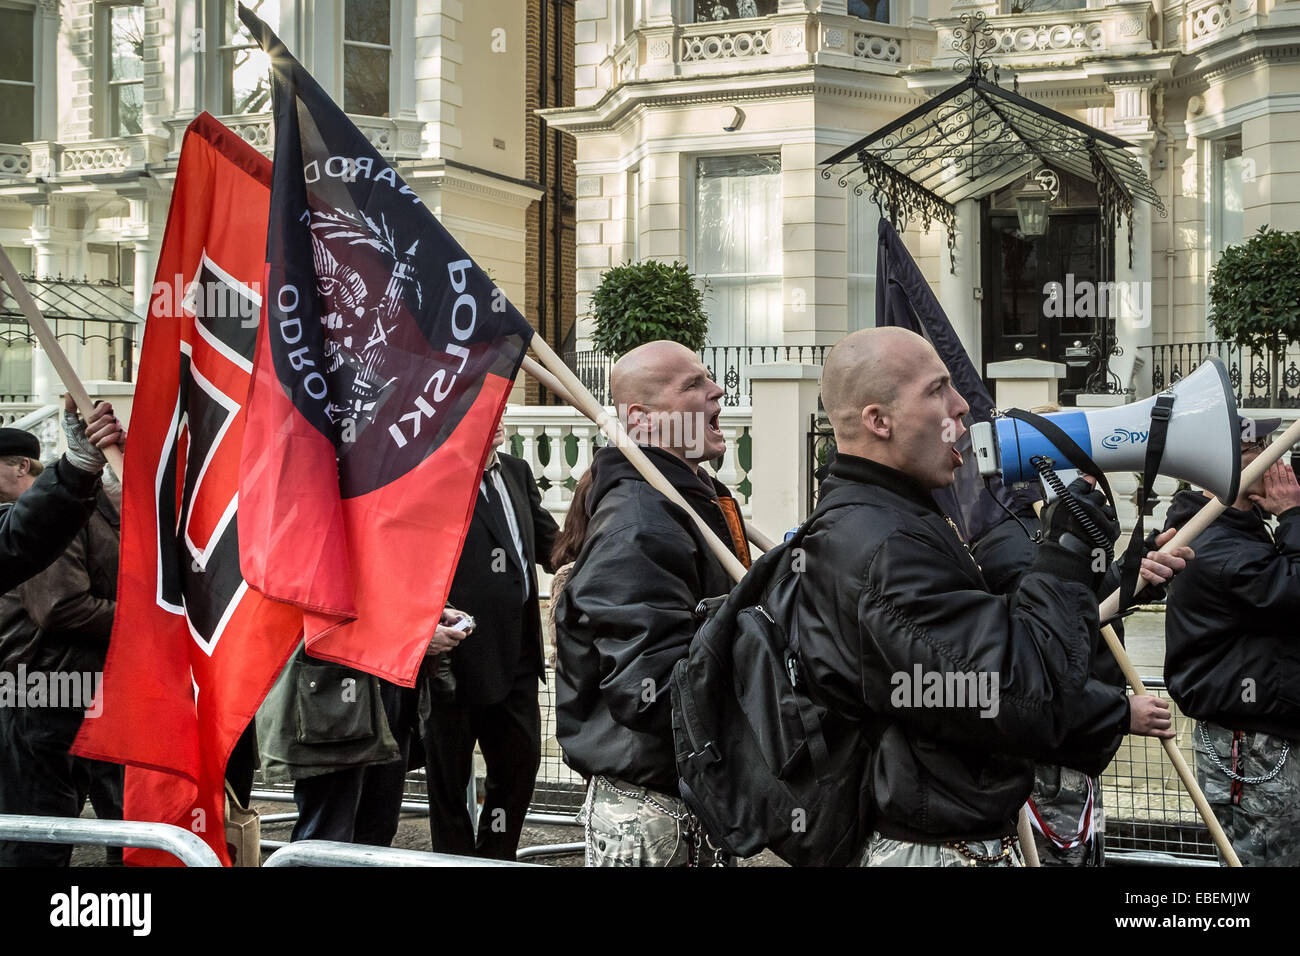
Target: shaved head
[(866, 368), (667, 399), (891, 400), (641, 376)]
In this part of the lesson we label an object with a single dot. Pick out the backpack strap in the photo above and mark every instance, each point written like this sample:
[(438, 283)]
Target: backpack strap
[(817, 749)]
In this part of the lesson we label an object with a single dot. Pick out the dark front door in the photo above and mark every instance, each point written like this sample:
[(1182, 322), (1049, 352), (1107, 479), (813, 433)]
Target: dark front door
[(1033, 306)]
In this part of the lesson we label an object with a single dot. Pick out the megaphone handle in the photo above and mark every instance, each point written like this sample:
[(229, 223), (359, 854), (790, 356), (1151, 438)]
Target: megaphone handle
[(1099, 540)]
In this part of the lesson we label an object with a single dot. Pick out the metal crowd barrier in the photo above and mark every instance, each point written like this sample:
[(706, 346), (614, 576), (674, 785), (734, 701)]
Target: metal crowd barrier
[(1150, 818), (182, 844), (330, 853), (558, 793)]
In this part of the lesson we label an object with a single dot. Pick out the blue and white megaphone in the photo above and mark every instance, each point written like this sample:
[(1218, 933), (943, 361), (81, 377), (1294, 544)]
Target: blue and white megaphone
[(1203, 443)]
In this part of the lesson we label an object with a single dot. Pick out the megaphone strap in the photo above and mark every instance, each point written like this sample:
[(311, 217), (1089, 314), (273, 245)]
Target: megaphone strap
[(1161, 412)]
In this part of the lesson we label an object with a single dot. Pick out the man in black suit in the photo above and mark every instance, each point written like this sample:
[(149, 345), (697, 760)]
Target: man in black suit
[(495, 670)]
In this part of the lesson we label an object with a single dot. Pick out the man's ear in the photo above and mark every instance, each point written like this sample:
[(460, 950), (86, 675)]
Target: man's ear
[(877, 422), (636, 417), (24, 467)]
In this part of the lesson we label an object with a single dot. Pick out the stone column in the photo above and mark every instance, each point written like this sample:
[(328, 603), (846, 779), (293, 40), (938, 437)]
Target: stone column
[(957, 287), (784, 400)]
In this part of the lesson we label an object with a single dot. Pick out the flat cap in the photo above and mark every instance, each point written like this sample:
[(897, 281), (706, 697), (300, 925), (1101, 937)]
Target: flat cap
[(15, 441)]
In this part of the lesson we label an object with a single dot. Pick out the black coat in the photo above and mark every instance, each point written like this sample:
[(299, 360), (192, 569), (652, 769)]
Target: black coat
[(61, 618), (627, 616), (1101, 719), (890, 588), (1232, 621), (38, 527), (489, 584)]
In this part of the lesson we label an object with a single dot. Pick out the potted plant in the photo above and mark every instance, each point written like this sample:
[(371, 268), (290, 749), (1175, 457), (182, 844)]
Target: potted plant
[(640, 302), (1255, 294)]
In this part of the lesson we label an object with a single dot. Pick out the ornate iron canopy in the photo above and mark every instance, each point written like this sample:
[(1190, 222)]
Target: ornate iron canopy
[(973, 139)]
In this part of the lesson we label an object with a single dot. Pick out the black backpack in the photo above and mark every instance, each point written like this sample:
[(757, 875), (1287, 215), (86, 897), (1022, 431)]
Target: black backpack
[(752, 755)]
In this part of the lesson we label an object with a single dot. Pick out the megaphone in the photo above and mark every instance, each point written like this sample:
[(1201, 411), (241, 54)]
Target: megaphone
[(1202, 445)]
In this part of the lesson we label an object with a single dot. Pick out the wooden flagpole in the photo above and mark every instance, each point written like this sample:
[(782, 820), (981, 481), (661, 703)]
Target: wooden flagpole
[(51, 345), (585, 402), (553, 384)]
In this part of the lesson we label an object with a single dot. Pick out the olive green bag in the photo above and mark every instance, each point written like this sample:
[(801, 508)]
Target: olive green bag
[(321, 717)]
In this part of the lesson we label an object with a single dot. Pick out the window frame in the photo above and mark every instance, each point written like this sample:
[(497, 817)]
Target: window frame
[(394, 12), (864, 207), (1214, 159), (691, 5), (106, 117), (34, 10), (691, 162), (214, 24)]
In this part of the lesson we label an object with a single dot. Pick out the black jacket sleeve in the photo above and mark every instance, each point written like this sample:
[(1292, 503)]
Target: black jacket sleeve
[(41, 523), (60, 599), (1101, 720), (544, 527), (1271, 584), (637, 595), (1031, 648)]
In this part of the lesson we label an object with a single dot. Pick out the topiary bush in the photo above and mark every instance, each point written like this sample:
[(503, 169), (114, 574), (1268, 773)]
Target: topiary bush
[(641, 302), (1255, 291)]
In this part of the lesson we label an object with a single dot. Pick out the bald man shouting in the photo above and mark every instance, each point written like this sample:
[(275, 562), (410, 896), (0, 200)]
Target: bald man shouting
[(951, 690), (627, 614)]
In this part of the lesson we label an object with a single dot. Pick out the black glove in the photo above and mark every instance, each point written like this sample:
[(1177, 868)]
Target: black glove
[(1062, 525)]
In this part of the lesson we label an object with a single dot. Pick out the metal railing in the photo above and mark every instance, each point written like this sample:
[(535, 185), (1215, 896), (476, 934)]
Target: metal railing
[(728, 364), (330, 853), (1150, 817), (557, 795), (1267, 379), (182, 844)]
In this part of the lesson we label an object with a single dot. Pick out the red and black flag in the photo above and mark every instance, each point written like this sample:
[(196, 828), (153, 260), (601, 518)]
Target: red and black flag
[(193, 650), (384, 360)]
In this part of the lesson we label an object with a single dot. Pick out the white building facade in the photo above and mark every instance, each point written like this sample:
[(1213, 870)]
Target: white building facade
[(95, 96), (701, 124)]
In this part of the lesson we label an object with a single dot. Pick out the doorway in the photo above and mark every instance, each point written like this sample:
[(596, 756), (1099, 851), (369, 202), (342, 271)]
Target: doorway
[(1032, 301)]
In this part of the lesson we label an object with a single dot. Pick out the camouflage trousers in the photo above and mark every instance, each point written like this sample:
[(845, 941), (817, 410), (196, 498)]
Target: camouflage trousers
[(1261, 819), (1060, 796), (627, 825), (881, 851)]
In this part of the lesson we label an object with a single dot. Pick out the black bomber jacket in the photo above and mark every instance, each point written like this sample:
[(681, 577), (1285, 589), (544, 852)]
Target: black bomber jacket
[(892, 601)]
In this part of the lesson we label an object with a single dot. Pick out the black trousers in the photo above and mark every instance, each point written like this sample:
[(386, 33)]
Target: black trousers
[(360, 804), (509, 734), (39, 777)]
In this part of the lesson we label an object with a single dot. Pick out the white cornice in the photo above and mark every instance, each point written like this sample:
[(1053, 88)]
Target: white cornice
[(620, 104), (1234, 116), (833, 138), (481, 185)]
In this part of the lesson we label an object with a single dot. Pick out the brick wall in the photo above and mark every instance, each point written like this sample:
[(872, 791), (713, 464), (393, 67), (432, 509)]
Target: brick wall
[(549, 304)]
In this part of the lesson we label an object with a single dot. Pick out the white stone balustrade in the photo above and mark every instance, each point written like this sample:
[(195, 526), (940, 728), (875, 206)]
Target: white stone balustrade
[(561, 424), (115, 155), (1208, 21), (15, 161), (1056, 36)]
